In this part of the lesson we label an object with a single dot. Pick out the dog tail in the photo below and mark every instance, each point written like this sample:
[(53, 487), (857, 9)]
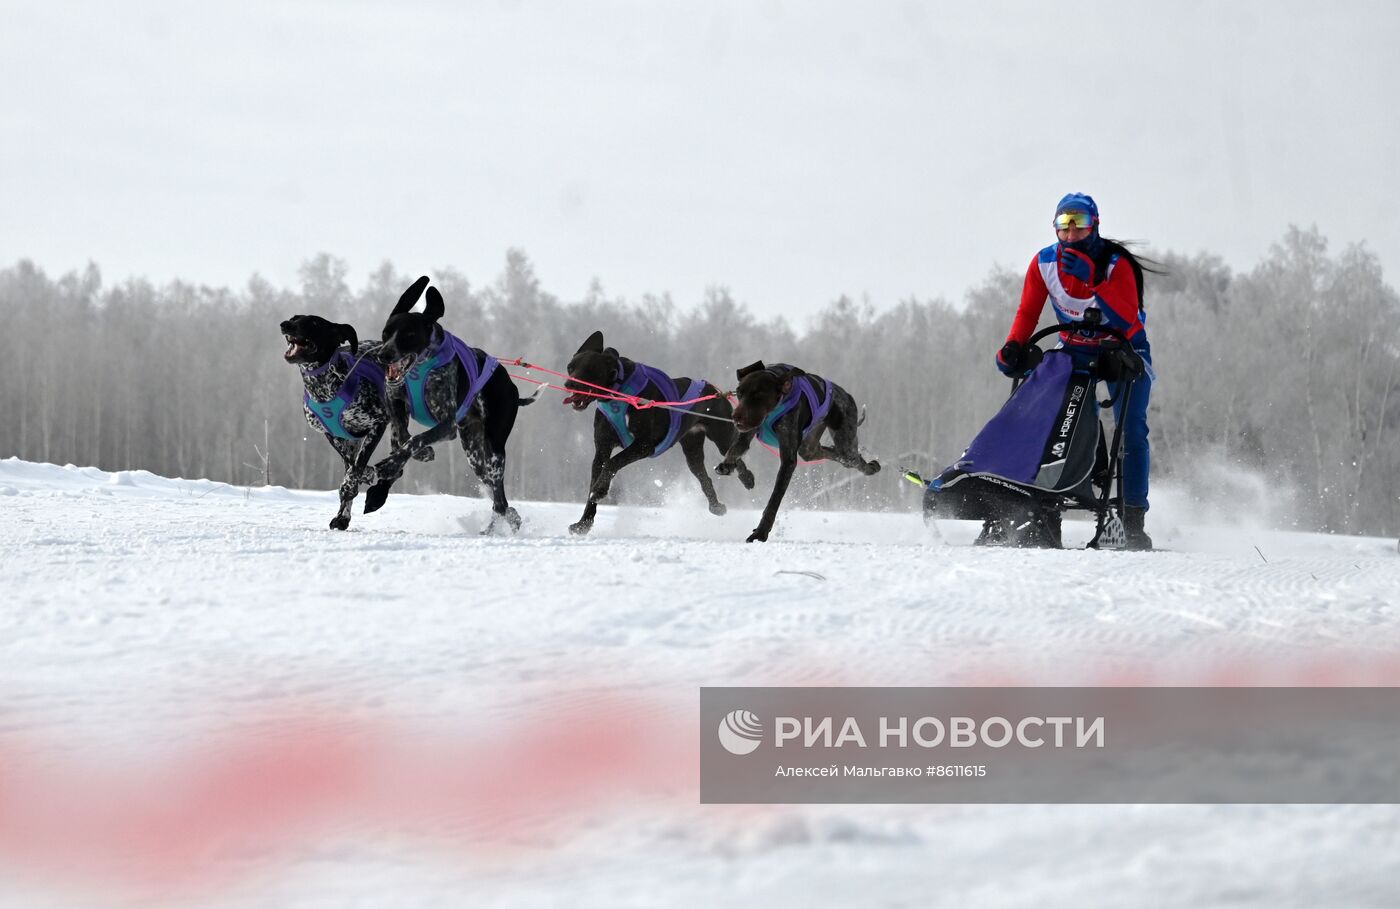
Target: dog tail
[(861, 419), (526, 402)]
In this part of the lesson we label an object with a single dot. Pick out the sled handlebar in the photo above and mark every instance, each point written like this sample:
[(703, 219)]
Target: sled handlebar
[(1084, 325)]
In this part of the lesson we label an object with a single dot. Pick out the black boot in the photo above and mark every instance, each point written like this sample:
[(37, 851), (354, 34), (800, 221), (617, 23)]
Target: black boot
[(1134, 536)]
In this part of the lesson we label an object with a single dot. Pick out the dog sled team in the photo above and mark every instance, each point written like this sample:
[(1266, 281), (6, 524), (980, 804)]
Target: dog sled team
[(1043, 453)]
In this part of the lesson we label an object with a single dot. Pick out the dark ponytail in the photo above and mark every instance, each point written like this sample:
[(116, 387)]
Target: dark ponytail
[(1139, 264)]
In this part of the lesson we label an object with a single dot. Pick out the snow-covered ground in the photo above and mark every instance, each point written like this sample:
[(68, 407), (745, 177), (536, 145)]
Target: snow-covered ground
[(206, 696)]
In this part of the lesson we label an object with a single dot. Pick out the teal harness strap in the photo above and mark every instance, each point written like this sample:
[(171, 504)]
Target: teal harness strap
[(616, 411), (766, 433), (331, 413), (416, 381), (802, 387), (632, 386), (674, 430), (449, 348)]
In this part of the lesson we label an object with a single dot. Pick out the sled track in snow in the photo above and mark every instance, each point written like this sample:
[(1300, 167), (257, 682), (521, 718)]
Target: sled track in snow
[(147, 611)]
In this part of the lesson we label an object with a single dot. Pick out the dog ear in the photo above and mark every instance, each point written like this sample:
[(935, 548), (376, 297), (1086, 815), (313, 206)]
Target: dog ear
[(611, 351), (594, 342), (347, 333), (751, 368), (434, 308), (410, 296)]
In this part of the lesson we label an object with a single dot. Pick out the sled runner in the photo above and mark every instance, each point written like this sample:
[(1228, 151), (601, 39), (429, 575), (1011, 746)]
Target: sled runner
[(1045, 451)]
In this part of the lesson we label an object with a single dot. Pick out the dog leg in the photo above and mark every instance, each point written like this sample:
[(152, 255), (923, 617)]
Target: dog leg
[(398, 428), (498, 406), (733, 458), (787, 464), (390, 468), (489, 465), (350, 485), (590, 509), (722, 434), (378, 493), (638, 450), (850, 459), (845, 449), (693, 445)]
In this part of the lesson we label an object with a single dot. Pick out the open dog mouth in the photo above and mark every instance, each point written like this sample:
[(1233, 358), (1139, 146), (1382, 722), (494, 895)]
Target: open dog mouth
[(396, 368), (579, 399), (296, 347)]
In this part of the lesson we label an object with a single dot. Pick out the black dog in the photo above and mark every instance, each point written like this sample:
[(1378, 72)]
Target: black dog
[(345, 399), (645, 432), (450, 388), (789, 409)]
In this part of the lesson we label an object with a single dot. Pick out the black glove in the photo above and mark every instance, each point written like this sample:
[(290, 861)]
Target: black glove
[(1011, 358), (1015, 359), (1131, 364), (1117, 363)]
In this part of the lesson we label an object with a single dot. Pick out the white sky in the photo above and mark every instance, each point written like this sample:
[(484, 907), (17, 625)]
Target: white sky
[(791, 150)]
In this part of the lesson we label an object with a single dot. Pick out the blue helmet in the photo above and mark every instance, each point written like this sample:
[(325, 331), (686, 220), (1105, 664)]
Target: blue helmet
[(1078, 202)]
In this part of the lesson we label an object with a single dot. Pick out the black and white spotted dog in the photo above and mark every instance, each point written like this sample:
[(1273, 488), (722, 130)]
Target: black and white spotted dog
[(452, 389), (344, 398), (789, 409), (649, 432)]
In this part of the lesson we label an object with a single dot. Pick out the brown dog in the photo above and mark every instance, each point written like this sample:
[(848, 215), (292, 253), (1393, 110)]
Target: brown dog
[(645, 433), (789, 409)]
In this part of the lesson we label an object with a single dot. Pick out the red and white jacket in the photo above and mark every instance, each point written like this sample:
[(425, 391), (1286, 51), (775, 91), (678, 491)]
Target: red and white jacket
[(1114, 294)]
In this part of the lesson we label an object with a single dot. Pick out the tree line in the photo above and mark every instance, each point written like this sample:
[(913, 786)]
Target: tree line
[(1286, 373)]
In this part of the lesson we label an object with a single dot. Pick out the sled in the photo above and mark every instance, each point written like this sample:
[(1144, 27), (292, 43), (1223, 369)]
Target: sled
[(1046, 452)]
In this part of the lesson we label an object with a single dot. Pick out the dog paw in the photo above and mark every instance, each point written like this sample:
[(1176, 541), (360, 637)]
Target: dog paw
[(872, 467), (718, 509), (340, 522), (423, 454), (758, 536), (724, 468), (580, 528), (746, 478), (377, 495), (511, 518)]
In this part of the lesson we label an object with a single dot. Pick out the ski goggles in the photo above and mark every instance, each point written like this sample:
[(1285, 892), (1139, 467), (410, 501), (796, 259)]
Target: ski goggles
[(1067, 219)]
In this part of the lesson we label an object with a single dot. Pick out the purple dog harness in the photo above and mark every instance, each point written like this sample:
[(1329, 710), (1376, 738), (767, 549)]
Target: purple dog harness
[(802, 387), (331, 413), (632, 385), (444, 352)]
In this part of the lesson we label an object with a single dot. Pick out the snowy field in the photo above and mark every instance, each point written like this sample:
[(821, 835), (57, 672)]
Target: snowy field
[(208, 698)]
